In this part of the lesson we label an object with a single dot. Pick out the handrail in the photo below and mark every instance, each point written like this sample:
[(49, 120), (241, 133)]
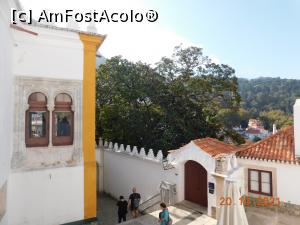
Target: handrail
[(166, 193), (149, 200)]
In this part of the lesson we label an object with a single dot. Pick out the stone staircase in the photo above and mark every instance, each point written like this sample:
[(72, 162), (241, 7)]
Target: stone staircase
[(184, 213)]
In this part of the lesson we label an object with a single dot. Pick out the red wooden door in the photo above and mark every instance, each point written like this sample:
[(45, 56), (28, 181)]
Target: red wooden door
[(195, 183)]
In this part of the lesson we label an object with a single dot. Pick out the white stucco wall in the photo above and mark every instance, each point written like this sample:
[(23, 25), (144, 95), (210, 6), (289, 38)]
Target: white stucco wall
[(46, 197), (123, 171), (297, 127), (193, 152), (6, 99), (287, 178), (6, 91), (100, 167), (38, 195), (51, 53)]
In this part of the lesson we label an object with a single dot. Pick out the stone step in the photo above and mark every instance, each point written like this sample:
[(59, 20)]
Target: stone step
[(180, 213)]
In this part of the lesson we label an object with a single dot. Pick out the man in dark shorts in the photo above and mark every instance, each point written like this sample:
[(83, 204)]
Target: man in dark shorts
[(134, 202), (122, 209)]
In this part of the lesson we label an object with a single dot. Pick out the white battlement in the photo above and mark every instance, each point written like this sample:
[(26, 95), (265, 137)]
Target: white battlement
[(132, 151)]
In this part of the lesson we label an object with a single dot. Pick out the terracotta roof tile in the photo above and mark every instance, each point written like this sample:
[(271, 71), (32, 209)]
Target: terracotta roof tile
[(214, 147), (278, 147), (253, 131)]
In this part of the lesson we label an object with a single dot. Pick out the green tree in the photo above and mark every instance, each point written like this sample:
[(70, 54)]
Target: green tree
[(266, 94), (277, 117), (167, 106), (244, 117)]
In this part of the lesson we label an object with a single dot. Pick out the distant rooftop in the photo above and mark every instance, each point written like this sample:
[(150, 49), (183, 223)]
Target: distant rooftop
[(253, 131), (279, 147)]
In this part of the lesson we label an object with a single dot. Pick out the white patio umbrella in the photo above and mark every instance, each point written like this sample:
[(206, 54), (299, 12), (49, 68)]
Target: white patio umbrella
[(232, 213)]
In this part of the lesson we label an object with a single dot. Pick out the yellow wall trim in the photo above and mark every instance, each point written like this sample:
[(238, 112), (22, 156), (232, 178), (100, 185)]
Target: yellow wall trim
[(90, 45)]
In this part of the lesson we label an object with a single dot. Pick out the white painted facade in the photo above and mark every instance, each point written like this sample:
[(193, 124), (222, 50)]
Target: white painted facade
[(297, 127), (261, 135), (6, 92), (286, 186), (46, 197), (124, 170), (285, 182), (127, 168), (49, 54), (38, 185), (194, 153), (50, 62), (6, 99)]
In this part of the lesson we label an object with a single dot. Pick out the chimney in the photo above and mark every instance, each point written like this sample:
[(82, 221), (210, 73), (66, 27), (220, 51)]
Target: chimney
[(297, 127), (274, 128)]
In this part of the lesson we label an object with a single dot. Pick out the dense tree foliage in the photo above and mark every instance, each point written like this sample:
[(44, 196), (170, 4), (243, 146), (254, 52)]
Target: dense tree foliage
[(166, 106), (266, 94), (234, 118), (277, 117), (269, 99)]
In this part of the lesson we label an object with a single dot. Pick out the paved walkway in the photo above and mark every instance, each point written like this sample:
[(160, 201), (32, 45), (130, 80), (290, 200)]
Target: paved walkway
[(107, 210), (261, 216), (182, 214)]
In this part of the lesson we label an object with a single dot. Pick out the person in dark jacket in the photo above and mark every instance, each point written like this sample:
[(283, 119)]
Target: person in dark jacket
[(134, 202), (122, 209)]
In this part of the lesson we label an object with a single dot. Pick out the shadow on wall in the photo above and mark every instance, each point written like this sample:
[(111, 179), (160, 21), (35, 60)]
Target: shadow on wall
[(3, 191)]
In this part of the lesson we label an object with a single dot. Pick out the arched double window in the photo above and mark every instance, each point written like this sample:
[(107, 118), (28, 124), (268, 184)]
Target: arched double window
[(37, 121), (63, 120)]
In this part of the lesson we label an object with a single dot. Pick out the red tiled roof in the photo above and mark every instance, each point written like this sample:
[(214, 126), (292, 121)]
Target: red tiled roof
[(278, 147), (253, 131), (214, 147)]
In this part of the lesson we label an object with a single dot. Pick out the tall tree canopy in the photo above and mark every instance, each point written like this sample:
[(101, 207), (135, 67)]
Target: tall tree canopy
[(166, 106)]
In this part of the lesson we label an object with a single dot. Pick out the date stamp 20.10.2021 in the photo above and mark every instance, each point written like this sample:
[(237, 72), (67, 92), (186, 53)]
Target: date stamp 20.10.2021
[(250, 201)]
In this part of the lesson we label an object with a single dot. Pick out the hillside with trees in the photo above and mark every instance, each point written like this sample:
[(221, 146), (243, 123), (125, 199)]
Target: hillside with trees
[(265, 94), (184, 97), (269, 99)]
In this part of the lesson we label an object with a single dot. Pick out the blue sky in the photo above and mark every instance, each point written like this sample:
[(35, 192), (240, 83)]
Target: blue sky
[(255, 37)]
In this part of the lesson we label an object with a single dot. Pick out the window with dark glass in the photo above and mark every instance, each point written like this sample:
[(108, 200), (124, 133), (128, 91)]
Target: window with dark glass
[(63, 120), (37, 121), (260, 182)]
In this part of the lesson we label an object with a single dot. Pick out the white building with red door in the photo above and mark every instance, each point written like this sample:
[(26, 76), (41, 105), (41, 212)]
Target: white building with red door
[(272, 166), (203, 164), (269, 168), (196, 171)]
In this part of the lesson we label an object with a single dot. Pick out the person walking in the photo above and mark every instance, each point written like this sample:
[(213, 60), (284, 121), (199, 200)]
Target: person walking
[(134, 202), (122, 209), (164, 215)]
